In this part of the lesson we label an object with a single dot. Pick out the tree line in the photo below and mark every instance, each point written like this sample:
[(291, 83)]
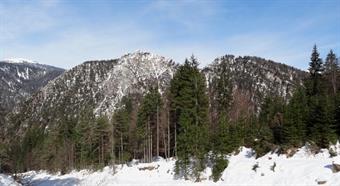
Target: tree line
[(189, 121)]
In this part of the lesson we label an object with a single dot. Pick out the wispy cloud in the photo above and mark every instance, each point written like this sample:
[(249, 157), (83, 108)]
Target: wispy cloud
[(189, 14), (65, 33), (18, 20)]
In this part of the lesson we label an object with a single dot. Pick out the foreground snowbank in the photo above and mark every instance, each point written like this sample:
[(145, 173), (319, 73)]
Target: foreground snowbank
[(301, 169), (6, 180)]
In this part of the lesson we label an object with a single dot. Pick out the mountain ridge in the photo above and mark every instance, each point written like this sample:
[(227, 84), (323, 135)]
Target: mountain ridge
[(99, 85)]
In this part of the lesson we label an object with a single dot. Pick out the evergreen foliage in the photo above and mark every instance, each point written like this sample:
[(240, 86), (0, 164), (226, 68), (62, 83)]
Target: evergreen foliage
[(191, 106), (220, 165), (315, 70), (295, 116), (332, 71)]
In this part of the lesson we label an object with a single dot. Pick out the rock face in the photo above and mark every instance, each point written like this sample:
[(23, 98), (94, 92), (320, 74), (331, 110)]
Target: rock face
[(21, 78), (94, 85)]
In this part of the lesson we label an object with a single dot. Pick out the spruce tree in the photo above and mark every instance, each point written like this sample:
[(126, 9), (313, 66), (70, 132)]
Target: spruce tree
[(223, 87), (190, 103), (294, 127), (120, 131), (332, 70), (337, 115), (320, 122), (315, 70), (221, 100), (224, 137)]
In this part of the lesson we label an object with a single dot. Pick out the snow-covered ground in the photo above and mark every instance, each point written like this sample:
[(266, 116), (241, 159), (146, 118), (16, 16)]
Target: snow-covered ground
[(6, 180), (301, 169)]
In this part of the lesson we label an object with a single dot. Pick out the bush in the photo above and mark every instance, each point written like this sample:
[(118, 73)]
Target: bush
[(272, 168), (219, 165), (261, 148), (255, 166), (332, 153)]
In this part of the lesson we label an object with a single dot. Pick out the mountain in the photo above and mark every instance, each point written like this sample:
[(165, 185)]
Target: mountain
[(20, 78), (99, 86), (253, 79), (94, 85), (62, 112)]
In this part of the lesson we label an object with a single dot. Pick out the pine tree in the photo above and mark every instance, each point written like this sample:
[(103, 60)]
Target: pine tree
[(315, 70), (190, 103), (319, 124), (320, 129), (84, 138), (66, 138), (337, 115), (221, 100), (228, 138), (271, 116), (294, 127), (101, 141), (332, 70), (120, 131), (148, 122)]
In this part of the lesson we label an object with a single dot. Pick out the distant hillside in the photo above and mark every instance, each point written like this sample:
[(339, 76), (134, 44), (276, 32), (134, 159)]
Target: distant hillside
[(253, 79), (21, 78)]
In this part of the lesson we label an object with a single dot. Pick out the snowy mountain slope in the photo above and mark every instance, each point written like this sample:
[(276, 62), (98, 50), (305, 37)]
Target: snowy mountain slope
[(302, 169), (20, 78), (133, 74), (94, 85)]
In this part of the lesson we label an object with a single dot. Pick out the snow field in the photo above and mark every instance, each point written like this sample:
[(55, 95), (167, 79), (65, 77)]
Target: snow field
[(303, 169)]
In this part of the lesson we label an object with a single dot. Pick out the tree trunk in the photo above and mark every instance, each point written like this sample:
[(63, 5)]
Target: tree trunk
[(144, 152), (164, 144), (151, 145), (334, 82), (157, 135), (175, 150), (168, 133), (148, 139), (196, 113), (113, 156), (121, 148)]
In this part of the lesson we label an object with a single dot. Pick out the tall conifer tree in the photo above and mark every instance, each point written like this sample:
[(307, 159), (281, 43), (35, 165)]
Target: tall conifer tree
[(191, 106)]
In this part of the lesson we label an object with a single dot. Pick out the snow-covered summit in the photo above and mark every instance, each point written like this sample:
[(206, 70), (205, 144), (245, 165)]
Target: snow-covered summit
[(134, 74), (18, 60)]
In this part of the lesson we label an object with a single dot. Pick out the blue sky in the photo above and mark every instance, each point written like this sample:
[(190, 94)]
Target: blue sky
[(65, 33)]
